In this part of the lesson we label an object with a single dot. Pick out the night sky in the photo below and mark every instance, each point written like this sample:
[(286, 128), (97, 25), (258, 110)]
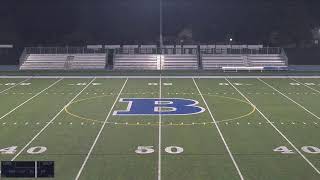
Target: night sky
[(67, 21)]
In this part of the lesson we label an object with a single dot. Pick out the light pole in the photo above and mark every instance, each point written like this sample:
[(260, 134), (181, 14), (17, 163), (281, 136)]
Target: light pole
[(161, 26)]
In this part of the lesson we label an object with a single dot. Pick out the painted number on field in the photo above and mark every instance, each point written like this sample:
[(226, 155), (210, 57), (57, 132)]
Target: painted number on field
[(236, 84), (306, 149), (32, 150), (144, 150), (156, 84), (149, 150), (307, 84), (13, 84), (283, 150), (84, 84)]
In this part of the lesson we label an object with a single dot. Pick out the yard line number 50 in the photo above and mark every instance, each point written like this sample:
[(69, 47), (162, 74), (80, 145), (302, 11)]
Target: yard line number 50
[(149, 150)]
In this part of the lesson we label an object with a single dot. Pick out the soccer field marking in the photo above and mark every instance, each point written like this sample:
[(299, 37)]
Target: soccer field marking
[(301, 106), (159, 135), (305, 85), (220, 133), (12, 110), (14, 86), (272, 124), (45, 127), (100, 131)]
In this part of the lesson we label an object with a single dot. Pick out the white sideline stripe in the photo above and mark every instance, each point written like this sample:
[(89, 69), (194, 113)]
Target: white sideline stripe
[(216, 124), (160, 133), (304, 108), (156, 77), (272, 124), (45, 127), (29, 99), (101, 129), (306, 85), (14, 85)]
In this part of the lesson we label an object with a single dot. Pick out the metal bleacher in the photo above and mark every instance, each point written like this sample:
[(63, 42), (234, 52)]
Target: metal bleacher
[(149, 57), (48, 58), (242, 57), (44, 62)]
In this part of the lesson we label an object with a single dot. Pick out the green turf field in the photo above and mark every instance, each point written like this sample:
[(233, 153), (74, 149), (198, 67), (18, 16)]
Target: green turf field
[(250, 129)]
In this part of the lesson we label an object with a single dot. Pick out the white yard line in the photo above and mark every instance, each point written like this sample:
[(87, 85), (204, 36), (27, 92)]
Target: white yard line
[(306, 85), (272, 124), (29, 99), (14, 86), (160, 131), (45, 127), (220, 133), (101, 129), (304, 108)]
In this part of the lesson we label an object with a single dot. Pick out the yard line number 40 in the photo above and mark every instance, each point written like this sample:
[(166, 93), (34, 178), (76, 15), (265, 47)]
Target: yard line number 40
[(32, 150), (306, 149)]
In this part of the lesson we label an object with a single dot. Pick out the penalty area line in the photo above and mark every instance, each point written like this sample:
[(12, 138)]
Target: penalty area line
[(220, 133), (272, 124), (45, 127), (99, 133)]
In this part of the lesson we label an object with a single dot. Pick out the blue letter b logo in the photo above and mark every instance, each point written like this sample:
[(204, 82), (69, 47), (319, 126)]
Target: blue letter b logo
[(156, 106)]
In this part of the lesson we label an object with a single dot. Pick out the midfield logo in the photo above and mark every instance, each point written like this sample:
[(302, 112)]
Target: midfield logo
[(156, 106)]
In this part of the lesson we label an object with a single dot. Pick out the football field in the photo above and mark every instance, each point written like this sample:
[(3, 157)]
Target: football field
[(164, 128)]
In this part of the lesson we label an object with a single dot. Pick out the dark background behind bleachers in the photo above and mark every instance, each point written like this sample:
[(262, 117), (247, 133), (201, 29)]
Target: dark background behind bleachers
[(9, 56), (303, 56)]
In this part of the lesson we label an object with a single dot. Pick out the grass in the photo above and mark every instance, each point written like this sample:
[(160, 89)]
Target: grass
[(73, 121)]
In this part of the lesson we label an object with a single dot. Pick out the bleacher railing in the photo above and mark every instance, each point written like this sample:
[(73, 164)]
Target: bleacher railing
[(63, 50), (235, 51), (85, 50), (172, 51)]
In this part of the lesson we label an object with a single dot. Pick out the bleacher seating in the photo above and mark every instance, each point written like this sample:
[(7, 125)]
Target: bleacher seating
[(149, 58), (63, 61), (44, 62), (266, 60), (88, 61), (241, 57), (210, 61), (136, 61), (180, 62)]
